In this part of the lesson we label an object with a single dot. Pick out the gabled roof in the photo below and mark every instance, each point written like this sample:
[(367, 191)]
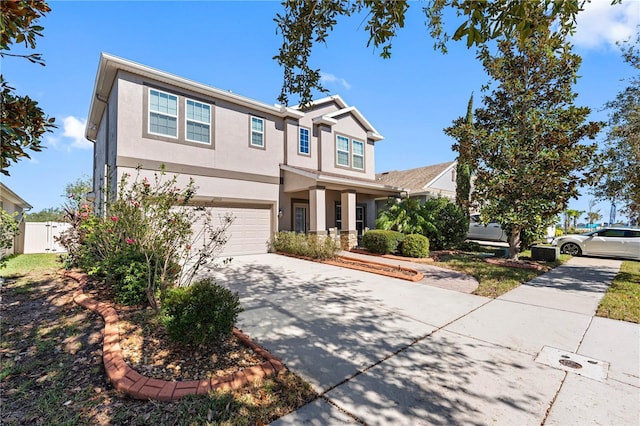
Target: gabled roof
[(416, 180), (108, 70), (343, 109), (8, 195), (326, 100)]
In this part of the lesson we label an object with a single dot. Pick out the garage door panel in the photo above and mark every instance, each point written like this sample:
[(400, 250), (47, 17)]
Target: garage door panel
[(248, 233)]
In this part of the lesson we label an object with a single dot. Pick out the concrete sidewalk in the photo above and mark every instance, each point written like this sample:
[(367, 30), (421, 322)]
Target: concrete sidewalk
[(387, 351)]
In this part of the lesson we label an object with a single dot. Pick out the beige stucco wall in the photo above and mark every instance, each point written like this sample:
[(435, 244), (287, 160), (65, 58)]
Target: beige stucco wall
[(230, 131), (347, 126)]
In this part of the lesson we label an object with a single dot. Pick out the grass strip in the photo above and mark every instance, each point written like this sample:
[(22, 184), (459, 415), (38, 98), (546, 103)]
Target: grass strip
[(622, 300), (494, 280)]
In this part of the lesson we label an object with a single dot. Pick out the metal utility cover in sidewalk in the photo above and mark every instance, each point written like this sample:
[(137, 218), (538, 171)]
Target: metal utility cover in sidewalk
[(574, 363)]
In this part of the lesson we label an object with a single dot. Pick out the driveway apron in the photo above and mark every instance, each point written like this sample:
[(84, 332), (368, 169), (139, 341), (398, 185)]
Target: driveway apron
[(385, 351)]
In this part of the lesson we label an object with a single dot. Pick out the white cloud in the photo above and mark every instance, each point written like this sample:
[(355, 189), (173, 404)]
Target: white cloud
[(326, 78), (72, 135), (602, 24)]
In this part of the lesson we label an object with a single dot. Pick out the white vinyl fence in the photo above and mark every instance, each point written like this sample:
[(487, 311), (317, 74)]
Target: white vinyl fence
[(39, 237)]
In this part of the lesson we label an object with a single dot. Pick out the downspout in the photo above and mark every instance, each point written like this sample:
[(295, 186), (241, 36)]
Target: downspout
[(99, 201)]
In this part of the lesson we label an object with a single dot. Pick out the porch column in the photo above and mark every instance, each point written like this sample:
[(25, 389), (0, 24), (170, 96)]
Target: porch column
[(317, 211), (348, 233)]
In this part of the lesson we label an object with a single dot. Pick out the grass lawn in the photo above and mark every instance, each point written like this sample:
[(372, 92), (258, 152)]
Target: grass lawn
[(52, 372), (494, 280), (622, 300), (18, 265)]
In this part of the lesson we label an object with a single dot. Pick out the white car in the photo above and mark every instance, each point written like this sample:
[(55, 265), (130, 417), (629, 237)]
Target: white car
[(608, 242), (493, 231)]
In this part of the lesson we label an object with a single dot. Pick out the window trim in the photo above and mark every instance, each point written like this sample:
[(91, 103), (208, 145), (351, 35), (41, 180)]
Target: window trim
[(263, 133), (187, 119), (149, 111), (308, 130), (348, 151), (354, 155)]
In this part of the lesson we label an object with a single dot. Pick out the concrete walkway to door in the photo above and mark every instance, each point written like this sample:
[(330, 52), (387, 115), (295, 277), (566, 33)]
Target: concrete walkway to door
[(386, 351)]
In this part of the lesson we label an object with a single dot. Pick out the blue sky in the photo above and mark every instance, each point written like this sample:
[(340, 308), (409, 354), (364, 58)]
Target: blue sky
[(409, 98)]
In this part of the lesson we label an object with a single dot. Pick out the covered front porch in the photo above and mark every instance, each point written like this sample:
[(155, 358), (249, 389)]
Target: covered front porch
[(327, 204)]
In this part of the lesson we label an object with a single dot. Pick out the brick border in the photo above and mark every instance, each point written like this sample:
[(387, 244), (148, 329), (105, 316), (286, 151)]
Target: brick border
[(130, 382), (413, 278)]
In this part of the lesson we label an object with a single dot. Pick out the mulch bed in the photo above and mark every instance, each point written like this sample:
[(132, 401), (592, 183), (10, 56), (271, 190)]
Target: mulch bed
[(522, 264), (147, 349)]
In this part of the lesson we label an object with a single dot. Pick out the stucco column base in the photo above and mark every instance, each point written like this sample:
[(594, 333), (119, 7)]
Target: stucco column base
[(348, 239)]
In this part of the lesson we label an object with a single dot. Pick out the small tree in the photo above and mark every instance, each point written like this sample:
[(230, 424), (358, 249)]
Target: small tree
[(22, 121), (463, 167), (619, 162), (526, 143)]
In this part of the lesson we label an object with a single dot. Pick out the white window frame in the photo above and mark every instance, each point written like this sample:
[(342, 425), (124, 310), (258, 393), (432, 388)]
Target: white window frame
[(149, 111), (187, 120), (338, 150), (308, 141), (252, 131), (354, 155)]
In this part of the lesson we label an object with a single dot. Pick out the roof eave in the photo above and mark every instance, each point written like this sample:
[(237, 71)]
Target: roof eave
[(110, 65)]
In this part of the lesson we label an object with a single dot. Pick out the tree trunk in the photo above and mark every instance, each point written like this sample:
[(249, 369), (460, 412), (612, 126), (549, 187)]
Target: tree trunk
[(514, 243)]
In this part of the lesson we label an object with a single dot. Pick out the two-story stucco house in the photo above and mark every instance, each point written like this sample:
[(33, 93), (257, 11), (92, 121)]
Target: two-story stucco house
[(272, 167)]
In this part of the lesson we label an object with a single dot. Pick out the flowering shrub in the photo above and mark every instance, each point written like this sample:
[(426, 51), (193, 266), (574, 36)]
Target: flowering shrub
[(150, 222)]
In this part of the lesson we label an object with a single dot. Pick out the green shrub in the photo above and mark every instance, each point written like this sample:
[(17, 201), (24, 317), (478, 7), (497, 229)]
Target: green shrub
[(415, 245), (129, 281), (382, 241), (449, 224), (200, 313), (304, 245)]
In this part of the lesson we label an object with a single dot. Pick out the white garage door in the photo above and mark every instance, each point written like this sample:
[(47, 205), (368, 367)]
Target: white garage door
[(249, 232)]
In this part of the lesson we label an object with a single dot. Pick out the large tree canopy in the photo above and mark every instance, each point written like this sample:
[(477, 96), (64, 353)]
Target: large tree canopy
[(22, 121), (305, 22), (526, 140), (620, 160)]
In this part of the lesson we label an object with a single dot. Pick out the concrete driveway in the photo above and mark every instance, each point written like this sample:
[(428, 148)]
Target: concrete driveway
[(386, 351)]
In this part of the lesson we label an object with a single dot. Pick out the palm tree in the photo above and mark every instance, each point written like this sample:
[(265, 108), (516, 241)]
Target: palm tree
[(593, 217), (574, 214), (404, 216)]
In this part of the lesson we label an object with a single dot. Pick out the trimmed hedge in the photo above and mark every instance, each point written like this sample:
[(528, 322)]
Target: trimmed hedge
[(200, 313), (382, 241), (415, 245), (304, 245)]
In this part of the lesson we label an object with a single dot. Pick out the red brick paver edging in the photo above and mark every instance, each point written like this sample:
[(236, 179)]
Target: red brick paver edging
[(128, 381)]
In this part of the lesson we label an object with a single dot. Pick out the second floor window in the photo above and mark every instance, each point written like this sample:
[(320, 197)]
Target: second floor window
[(198, 122), (358, 154), (163, 113), (342, 151), (303, 144), (257, 132)]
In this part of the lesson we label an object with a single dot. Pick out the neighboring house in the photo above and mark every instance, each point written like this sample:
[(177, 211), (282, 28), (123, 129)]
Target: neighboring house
[(11, 203), (272, 167), (422, 182)]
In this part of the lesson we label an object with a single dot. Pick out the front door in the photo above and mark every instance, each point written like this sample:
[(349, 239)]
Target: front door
[(300, 218)]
